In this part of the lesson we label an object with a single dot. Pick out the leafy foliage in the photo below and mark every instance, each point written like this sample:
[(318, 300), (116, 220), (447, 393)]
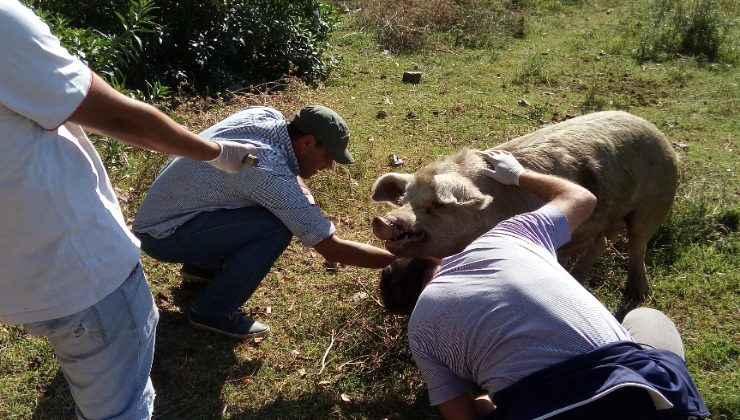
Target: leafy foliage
[(666, 28), (206, 45), (419, 25), (694, 221)]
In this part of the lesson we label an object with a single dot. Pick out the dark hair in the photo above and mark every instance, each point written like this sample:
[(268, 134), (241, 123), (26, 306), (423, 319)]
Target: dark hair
[(295, 133), (401, 283)]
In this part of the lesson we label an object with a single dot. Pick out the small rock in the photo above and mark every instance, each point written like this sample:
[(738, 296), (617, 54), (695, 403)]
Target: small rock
[(331, 266), (35, 362), (359, 296), (394, 160), (523, 102), (322, 385), (680, 146), (413, 77)]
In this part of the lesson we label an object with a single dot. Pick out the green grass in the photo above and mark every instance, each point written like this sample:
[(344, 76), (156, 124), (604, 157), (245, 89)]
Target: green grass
[(332, 352)]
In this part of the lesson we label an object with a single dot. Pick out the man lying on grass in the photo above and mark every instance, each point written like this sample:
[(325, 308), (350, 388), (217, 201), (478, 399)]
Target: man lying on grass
[(506, 316)]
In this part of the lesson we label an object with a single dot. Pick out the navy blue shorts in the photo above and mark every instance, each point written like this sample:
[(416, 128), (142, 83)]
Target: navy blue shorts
[(617, 381)]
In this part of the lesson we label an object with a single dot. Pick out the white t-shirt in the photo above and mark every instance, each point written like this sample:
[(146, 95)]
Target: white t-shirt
[(504, 308), (63, 242)]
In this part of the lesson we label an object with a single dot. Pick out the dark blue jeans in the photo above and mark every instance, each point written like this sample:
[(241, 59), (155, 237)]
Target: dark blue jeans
[(247, 240)]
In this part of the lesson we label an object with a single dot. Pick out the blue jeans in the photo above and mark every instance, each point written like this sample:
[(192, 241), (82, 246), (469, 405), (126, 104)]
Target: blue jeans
[(106, 352), (247, 240)]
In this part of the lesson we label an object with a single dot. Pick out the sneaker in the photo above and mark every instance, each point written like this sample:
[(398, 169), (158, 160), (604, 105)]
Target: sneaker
[(192, 273), (235, 324)]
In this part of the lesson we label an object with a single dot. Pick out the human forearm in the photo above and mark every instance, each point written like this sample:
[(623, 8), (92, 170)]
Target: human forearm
[(463, 407), (146, 128), (353, 253), (550, 188), (576, 202), (109, 113), (483, 405)]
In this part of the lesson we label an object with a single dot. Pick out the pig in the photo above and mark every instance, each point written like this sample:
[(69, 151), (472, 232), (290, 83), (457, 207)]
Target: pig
[(624, 160)]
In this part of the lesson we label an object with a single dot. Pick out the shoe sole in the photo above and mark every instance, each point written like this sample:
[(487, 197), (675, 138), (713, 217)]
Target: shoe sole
[(232, 335), (191, 278)]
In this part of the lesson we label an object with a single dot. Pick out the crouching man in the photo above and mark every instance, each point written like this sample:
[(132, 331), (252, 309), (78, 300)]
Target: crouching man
[(503, 314), (230, 229)]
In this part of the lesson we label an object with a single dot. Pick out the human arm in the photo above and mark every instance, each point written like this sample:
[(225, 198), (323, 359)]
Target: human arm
[(576, 202), (460, 408), (107, 112), (466, 407), (354, 253)]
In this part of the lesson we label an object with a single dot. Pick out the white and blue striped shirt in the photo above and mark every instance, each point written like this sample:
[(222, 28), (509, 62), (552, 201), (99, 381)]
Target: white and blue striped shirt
[(504, 308), (187, 187)]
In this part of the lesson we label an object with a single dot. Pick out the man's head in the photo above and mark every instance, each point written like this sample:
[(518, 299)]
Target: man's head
[(320, 137), (402, 282)]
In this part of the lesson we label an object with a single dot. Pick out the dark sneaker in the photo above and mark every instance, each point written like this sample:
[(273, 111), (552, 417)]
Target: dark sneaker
[(235, 324), (192, 273)]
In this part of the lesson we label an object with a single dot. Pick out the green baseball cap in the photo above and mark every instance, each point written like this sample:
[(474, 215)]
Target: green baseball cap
[(328, 128)]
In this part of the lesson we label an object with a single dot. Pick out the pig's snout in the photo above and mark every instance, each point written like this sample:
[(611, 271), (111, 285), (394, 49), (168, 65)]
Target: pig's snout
[(383, 228)]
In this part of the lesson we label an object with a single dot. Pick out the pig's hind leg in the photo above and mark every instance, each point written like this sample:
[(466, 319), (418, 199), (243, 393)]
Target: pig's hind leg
[(642, 223)]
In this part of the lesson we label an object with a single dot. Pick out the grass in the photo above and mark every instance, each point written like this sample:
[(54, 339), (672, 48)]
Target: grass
[(333, 353)]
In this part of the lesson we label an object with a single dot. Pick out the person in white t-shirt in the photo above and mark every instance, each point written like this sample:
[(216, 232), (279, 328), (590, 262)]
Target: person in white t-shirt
[(70, 268), (505, 315)]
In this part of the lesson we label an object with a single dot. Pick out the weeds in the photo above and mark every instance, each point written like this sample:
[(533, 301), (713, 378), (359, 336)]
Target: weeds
[(465, 100), (536, 72), (694, 221), (418, 25), (668, 28)]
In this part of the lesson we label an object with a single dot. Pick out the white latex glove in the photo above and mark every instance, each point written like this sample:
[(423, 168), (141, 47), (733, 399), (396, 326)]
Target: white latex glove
[(506, 169), (234, 156)]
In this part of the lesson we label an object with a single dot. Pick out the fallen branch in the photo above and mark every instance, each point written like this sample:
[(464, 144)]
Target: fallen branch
[(326, 353)]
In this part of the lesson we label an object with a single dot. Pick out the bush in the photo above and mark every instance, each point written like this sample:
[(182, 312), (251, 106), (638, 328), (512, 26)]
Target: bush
[(207, 45), (418, 25), (666, 28), (693, 221)]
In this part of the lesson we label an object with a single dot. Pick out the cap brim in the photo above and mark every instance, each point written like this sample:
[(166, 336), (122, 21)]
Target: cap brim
[(344, 157)]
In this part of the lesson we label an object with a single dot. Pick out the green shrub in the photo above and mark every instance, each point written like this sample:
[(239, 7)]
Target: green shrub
[(419, 25), (666, 28), (206, 45), (693, 221)]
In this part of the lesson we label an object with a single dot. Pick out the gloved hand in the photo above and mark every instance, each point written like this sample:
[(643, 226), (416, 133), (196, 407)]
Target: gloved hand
[(506, 169), (234, 156)]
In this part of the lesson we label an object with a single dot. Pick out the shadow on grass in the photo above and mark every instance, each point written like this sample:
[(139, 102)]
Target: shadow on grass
[(56, 401), (192, 366), (324, 405), (189, 372)]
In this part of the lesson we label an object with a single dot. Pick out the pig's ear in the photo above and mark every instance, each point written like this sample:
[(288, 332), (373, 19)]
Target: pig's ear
[(458, 190), (391, 187)]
